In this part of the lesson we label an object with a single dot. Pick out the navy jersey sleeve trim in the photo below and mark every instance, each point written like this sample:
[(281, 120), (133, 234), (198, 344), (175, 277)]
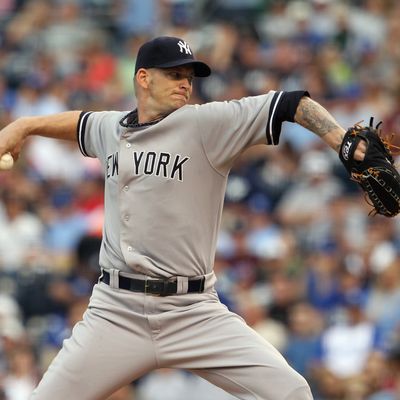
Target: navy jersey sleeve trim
[(83, 117), (283, 108)]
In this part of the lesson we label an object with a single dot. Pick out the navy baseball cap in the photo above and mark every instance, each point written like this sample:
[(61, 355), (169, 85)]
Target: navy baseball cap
[(166, 52)]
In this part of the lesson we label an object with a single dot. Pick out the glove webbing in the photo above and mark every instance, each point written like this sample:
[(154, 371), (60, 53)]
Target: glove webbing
[(374, 200)]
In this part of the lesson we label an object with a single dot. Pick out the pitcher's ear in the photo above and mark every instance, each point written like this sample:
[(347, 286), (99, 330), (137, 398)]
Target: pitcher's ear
[(142, 78)]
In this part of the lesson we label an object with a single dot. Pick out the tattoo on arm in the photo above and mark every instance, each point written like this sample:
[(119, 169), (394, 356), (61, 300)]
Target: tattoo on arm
[(314, 117), (311, 115)]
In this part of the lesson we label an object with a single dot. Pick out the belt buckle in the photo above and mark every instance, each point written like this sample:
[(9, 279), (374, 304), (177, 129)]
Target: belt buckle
[(147, 287), (160, 292), (155, 292)]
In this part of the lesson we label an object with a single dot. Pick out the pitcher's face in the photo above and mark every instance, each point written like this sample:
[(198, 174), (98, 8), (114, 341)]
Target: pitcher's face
[(170, 88)]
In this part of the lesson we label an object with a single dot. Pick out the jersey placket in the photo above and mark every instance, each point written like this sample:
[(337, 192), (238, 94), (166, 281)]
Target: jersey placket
[(125, 206)]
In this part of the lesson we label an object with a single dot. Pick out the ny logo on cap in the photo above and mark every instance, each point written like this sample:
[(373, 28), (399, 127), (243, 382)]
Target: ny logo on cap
[(183, 46)]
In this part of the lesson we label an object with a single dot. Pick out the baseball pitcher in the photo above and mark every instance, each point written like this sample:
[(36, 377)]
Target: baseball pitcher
[(165, 166)]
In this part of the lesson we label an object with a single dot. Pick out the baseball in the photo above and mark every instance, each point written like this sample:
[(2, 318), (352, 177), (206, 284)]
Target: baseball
[(6, 161)]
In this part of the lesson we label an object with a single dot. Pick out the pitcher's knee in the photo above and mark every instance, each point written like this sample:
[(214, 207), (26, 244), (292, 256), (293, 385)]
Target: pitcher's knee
[(297, 387), (302, 392)]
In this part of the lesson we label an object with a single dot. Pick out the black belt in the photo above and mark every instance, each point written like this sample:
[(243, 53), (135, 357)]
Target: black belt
[(159, 287)]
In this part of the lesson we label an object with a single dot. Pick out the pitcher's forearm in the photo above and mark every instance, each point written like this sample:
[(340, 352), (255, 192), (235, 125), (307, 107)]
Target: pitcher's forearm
[(317, 119), (58, 126)]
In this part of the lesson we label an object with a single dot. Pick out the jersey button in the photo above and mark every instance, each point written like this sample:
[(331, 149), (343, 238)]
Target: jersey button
[(126, 217), (130, 248), (128, 145), (126, 188)]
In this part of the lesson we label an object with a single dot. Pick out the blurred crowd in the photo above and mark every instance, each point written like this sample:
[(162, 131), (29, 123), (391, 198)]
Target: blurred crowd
[(299, 257)]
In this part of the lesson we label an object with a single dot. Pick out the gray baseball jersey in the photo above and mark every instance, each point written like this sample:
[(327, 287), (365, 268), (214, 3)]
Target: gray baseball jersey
[(164, 191), (170, 178)]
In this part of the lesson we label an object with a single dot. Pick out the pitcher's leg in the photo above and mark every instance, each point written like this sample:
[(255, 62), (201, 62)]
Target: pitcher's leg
[(106, 351), (218, 345), (259, 383)]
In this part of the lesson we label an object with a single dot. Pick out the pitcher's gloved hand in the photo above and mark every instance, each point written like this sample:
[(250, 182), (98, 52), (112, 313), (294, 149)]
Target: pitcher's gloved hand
[(376, 173)]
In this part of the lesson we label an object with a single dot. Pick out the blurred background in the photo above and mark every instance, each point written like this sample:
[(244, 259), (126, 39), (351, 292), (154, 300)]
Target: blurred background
[(298, 256)]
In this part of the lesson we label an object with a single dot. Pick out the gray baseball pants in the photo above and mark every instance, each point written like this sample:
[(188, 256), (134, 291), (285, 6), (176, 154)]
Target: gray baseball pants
[(124, 335)]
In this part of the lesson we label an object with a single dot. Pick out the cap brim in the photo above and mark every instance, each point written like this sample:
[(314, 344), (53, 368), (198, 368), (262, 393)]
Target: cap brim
[(200, 69)]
